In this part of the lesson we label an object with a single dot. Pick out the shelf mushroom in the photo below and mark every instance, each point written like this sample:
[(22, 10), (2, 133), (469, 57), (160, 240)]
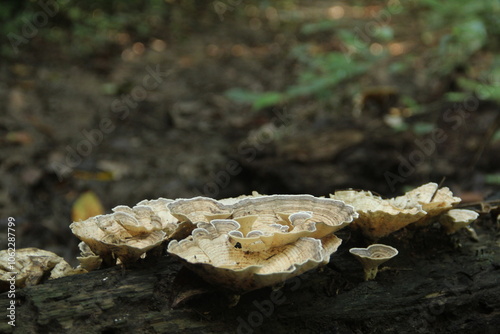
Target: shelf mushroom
[(250, 242), (272, 221), (209, 253), (455, 219), (117, 235), (372, 257), (30, 266), (88, 260), (434, 200), (379, 217)]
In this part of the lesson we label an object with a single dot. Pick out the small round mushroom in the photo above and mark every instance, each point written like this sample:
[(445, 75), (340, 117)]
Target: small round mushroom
[(372, 257), (455, 219)]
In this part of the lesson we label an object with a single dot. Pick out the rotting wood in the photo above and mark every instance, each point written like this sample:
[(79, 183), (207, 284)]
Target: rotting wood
[(429, 288)]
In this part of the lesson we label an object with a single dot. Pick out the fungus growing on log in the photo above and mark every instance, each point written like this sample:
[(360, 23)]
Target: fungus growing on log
[(209, 253), (435, 201), (198, 209), (456, 219), (372, 257), (276, 220), (379, 217), (30, 266), (125, 235), (88, 260)]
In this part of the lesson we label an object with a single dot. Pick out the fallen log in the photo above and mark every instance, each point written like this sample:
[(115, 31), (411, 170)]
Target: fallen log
[(434, 285)]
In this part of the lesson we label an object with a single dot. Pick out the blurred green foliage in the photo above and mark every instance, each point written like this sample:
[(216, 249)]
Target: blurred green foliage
[(451, 34), (83, 28), (465, 29), (319, 72), (328, 57)]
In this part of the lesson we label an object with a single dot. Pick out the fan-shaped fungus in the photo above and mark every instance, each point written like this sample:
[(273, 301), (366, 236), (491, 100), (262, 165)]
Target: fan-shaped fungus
[(209, 253), (30, 266), (455, 219), (372, 257), (379, 217)]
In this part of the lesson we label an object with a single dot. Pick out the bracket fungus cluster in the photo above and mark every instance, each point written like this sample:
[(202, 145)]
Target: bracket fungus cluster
[(263, 241), (246, 242), (127, 233), (434, 201), (241, 243), (272, 221), (31, 266), (210, 254), (380, 217)]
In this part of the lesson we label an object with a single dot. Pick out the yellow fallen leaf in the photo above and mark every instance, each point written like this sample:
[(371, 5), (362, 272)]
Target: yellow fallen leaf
[(86, 205)]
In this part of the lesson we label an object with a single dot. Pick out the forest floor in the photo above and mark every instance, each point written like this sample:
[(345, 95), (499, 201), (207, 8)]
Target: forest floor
[(151, 119)]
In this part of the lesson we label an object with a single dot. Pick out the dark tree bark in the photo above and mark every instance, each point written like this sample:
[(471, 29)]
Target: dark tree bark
[(432, 286)]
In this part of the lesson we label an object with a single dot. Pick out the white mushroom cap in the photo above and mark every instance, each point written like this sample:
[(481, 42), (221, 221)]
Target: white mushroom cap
[(372, 257), (128, 233), (118, 235), (379, 217), (31, 265), (198, 209), (209, 253), (233, 200), (169, 223), (276, 220), (455, 219), (433, 200), (88, 260)]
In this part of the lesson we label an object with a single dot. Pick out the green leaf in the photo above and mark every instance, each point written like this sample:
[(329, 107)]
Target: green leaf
[(268, 99), (456, 96), (241, 95)]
